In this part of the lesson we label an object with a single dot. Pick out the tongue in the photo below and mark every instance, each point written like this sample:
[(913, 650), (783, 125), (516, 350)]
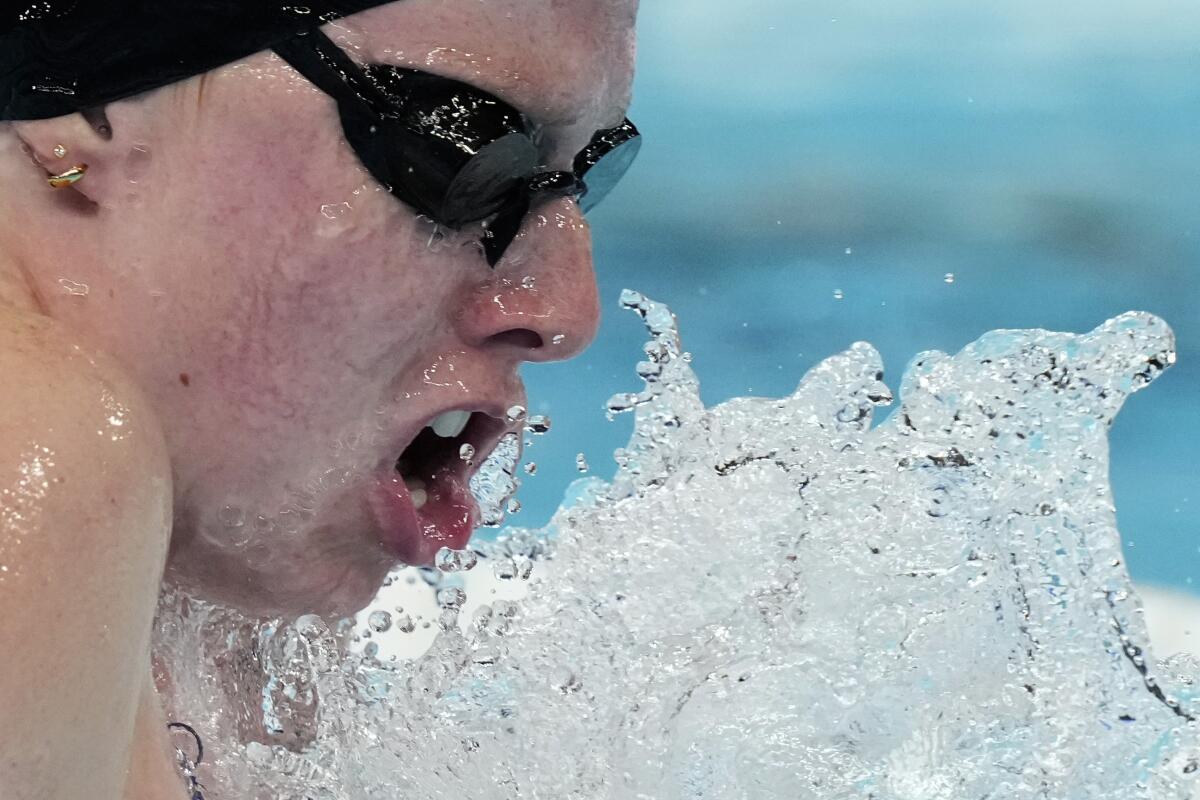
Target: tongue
[(450, 514)]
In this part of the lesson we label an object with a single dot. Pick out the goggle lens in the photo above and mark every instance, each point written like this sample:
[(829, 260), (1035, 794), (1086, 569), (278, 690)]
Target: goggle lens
[(606, 160), (487, 182), (450, 150)]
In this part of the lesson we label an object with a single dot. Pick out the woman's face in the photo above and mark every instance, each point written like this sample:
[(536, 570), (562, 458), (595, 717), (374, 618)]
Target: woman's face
[(296, 326)]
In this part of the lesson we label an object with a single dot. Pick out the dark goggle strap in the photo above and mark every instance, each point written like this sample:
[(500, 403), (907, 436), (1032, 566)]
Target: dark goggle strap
[(331, 70)]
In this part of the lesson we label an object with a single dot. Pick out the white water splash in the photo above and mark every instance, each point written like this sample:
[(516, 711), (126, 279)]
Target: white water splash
[(771, 600)]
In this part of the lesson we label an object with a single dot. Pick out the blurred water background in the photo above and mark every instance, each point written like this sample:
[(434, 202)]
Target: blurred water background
[(1045, 154)]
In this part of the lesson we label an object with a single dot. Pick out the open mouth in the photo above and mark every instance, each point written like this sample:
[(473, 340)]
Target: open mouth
[(422, 501)]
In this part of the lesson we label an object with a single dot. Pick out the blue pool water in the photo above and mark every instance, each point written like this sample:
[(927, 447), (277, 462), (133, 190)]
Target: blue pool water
[(1048, 157)]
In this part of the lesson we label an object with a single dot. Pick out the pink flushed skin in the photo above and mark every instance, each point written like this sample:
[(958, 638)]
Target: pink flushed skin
[(286, 317)]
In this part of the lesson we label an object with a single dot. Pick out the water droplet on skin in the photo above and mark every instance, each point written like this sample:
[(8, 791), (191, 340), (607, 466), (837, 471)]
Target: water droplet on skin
[(949, 277), (137, 163), (466, 452), (838, 294), (538, 425), (527, 282), (335, 210), (581, 463), (73, 288), (232, 517), (515, 413), (531, 468), (558, 338), (380, 621)]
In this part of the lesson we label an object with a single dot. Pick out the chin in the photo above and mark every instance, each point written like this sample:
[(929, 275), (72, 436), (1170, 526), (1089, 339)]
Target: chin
[(281, 584)]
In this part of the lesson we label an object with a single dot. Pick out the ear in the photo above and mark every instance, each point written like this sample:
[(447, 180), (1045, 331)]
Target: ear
[(86, 138)]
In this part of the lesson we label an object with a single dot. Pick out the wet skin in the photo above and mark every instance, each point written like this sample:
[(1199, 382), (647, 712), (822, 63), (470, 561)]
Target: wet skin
[(280, 309), (265, 313)]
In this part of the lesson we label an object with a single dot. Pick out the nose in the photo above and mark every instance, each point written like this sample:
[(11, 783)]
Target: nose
[(540, 303)]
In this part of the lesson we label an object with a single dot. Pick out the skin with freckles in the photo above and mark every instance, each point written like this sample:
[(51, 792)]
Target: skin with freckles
[(279, 318), (284, 313)]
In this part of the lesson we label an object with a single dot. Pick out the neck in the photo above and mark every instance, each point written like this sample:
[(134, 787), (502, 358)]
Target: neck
[(16, 290), (17, 287)]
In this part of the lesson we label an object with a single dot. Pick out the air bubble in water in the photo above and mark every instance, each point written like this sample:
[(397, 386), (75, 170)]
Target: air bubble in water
[(531, 468), (380, 621), (495, 481), (649, 370), (405, 624), (524, 567), (515, 413), (448, 560), (311, 627), (467, 451), (451, 597), (633, 300), (621, 403), (514, 506), (538, 424), (949, 277), (838, 294), (581, 463)]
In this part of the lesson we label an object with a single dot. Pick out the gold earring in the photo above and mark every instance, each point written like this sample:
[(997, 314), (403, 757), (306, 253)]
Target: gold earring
[(64, 179)]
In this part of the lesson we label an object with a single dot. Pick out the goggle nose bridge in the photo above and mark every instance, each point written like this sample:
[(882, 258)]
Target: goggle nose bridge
[(557, 183)]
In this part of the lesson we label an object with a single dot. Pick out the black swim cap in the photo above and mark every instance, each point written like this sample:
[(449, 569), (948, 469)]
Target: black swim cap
[(62, 56)]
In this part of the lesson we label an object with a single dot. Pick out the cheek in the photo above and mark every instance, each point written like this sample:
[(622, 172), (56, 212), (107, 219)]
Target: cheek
[(283, 270)]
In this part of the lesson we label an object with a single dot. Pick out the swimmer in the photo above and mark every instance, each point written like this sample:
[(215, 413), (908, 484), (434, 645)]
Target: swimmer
[(264, 270)]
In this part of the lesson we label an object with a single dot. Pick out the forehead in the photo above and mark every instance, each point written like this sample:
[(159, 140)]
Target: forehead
[(562, 62)]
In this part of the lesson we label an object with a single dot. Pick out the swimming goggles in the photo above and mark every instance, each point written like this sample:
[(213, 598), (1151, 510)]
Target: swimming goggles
[(455, 153)]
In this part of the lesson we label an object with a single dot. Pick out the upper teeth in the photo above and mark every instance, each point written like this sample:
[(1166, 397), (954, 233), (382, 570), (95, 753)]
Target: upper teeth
[(450, 424)]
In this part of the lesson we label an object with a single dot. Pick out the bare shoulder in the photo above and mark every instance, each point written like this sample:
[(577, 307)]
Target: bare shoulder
[(85, 508), (47, 370)]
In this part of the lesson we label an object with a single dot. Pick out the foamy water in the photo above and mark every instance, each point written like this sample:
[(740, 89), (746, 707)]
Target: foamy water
[(772, 599)]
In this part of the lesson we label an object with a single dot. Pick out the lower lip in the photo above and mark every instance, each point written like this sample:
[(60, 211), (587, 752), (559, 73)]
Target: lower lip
[(414, 536)]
